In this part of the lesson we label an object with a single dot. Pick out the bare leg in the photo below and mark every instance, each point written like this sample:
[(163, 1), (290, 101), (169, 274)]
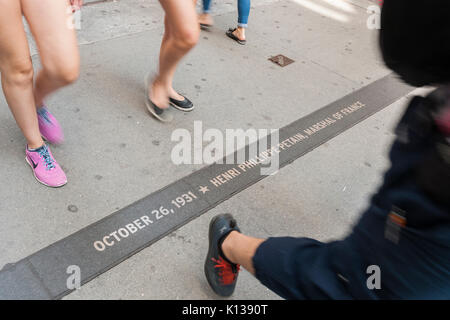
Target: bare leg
[(162, 54), (17, 71), (180, 36), (57, 44), (240, 249)]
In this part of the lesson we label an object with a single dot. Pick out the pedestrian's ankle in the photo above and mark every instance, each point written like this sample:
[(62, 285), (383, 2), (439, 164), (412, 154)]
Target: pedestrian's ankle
[(226, 246), (35, 146), (240, 33)]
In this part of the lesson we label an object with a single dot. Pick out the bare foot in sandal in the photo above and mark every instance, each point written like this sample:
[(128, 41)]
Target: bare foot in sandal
[(205, 20), (239, 33)]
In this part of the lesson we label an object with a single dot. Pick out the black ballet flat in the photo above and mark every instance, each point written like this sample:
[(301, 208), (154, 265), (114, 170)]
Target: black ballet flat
[(161, 114), (183, 105), (157, 112)]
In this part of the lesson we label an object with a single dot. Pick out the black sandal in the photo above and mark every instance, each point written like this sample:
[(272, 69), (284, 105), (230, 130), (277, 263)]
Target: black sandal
[(230, 35), (205, 26)]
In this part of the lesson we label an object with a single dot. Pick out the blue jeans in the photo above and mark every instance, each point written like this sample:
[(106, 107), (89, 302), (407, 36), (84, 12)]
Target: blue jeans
[(243, 11)]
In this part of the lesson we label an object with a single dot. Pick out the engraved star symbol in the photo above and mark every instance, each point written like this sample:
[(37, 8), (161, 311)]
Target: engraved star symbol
[(203, 189)]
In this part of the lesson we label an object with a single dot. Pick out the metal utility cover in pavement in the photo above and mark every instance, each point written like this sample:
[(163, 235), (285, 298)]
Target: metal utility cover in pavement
[(281, 60)]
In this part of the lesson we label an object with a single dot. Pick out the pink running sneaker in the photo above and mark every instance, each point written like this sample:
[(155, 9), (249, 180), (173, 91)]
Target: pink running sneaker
[(49, 126), (45, 168)]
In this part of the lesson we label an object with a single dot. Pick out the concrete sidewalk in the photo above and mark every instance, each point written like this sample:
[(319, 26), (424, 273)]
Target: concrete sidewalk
[(115, 153)]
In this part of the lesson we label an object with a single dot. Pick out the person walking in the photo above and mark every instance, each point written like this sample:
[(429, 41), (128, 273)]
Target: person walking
[(238, 33), (400, 248), (57, 45), (181, 34)]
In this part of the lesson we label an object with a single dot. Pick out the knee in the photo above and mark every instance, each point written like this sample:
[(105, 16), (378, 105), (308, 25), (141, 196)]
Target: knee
[(19, 73), (65, 73), (69, 74), (187, 38)]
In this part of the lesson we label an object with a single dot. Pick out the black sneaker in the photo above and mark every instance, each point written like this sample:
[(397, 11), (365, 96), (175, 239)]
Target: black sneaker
[(185, 105), (221, 273)]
